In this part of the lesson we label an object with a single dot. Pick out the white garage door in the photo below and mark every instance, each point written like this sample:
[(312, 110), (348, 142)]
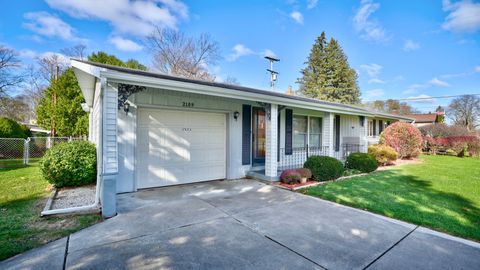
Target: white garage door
[(177, 147)]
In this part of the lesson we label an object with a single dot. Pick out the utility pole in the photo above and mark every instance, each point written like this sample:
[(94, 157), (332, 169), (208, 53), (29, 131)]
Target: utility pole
[(53, 131), (273, 73)]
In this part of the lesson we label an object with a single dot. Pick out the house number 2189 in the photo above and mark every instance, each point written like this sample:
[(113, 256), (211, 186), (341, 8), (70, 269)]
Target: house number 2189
[(187, 104)]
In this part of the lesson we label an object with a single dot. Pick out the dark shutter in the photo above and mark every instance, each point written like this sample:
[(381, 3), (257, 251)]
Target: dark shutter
[(288, 131), (278, 136), (362, 120), (246, 133), (380, 126), (374, 123), (337, 133)]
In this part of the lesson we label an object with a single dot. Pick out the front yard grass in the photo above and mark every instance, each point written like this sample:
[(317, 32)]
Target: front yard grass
[(442, 193), (23, 194)]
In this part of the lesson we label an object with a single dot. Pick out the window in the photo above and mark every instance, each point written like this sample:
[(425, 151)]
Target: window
[(315, 139), (370, 128), (300, 130), (307, 131)]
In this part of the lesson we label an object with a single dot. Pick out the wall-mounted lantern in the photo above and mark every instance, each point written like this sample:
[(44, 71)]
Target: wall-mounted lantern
[(235, 115)]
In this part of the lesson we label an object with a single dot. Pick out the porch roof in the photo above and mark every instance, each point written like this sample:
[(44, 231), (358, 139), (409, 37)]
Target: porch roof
[(158, 80)]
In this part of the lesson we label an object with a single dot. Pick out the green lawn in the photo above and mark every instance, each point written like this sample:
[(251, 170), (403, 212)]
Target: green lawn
[(23, 193), (442, 193)]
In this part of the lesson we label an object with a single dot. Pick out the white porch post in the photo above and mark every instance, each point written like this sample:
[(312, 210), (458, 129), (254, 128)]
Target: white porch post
[(328, 133), (271, 142)]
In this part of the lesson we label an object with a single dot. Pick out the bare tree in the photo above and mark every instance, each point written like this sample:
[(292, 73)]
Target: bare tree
[(9, 63), (177, 54), (232, 80), (77, 51), (14, 108), (465, 111), (51, 66)]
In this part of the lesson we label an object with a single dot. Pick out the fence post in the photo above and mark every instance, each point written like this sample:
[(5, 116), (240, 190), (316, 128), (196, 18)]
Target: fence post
[(308, 148), (26, 150)]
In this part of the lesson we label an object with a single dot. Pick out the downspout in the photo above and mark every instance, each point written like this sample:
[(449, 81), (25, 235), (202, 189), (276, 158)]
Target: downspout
[(95, 207)]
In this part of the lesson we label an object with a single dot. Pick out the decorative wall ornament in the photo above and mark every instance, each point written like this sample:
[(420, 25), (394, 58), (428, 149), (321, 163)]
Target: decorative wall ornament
[(125, 91)]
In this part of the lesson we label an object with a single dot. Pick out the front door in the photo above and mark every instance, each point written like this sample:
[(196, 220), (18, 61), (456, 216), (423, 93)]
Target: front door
[(259, 123)]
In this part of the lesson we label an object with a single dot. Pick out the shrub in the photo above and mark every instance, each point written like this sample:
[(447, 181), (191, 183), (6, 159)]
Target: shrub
[(405, 138), (384, 155), (11, 129), (70, 164), (361, 161), (474, 147), (305, 173), (290, 177), (350, 172), (324, 168)]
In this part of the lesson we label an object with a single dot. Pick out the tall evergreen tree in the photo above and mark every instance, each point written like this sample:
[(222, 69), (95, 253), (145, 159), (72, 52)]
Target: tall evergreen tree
[(109, 59), (328, 76), (59, 109)]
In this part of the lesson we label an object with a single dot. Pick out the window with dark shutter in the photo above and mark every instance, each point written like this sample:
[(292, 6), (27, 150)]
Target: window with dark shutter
[(246, 133), (375, 127), (288, 131), (380, 126)]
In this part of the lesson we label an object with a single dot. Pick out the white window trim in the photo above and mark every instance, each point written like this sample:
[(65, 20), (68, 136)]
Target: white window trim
[(308, 127)]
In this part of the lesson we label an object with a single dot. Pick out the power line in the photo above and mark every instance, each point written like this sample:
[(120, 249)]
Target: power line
[(425, 98)]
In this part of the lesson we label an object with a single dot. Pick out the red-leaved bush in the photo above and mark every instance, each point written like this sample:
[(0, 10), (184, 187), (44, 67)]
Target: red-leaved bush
[(459, 144), (405, 138), (290, 177)]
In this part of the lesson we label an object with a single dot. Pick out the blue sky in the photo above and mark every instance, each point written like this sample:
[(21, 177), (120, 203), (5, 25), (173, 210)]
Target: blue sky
[(400, 49)]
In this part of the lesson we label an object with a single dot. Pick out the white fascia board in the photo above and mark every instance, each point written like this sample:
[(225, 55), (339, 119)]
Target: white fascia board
[(151, 82), (86, 76)]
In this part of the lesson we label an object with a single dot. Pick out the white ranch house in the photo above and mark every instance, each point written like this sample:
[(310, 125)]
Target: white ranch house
[(154, 130)]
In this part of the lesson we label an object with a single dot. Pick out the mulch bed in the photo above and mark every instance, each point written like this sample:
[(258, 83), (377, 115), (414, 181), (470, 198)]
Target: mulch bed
[(309, 183)]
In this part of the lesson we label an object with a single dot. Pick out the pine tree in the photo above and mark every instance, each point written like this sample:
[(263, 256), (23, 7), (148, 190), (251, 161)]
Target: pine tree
[(328, 76)]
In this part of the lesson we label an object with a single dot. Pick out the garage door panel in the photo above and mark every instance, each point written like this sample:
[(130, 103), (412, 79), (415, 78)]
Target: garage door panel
[(177, 147)]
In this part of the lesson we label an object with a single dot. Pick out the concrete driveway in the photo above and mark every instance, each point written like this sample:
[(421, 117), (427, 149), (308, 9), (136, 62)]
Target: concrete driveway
[(245, 224)]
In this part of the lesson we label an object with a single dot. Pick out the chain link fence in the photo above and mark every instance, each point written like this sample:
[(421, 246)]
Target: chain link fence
[(17, 152)]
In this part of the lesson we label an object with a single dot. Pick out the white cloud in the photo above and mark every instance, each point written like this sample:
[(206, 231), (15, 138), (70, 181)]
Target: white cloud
[(131, 17), (312, 4), (46, 24), (477, 69), (124, 44), (369, 29), (421, 99), (239, 50), (373, 70), (27, 53), (464, 16), (414, 88), (376, 80), (297, 16), (268, 52), (410, 45), (438, 83), (374, 93)]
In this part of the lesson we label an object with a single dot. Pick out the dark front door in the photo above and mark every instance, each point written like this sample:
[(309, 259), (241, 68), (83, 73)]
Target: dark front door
[(258, 138)]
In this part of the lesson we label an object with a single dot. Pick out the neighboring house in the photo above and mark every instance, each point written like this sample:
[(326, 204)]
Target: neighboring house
[(424, 119), (154, 130)]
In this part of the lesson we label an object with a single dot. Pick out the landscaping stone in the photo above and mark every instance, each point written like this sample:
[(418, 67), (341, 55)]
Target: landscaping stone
[(74, 196)]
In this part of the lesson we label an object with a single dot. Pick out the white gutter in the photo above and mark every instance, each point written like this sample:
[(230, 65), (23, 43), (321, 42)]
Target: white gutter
[(95, 207)]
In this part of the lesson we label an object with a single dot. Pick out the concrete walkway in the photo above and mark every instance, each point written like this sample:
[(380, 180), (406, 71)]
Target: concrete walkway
[(244, 224)]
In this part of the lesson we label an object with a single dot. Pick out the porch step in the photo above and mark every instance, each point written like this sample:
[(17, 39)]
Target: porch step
[(260, 175)]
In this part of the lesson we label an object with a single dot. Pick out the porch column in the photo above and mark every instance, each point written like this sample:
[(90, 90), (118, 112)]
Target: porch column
[(271, 141), (328, 137)]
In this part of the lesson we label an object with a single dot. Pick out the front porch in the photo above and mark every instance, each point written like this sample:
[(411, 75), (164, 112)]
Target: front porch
[(298, 157)]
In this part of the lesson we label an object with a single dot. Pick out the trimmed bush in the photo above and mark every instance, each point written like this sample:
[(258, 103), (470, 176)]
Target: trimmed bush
[(305, 173), (384, 155), (405, 138), (363, 162), (290, 177), (324, 168), (11, 129), (70, 164)]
